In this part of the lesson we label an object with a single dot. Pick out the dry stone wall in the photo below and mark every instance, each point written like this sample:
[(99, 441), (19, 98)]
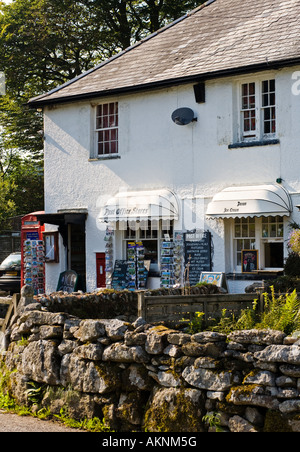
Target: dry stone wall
[(140, 377)]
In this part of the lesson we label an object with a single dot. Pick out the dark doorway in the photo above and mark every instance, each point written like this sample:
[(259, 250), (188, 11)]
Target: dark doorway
[(274, 255), (77, 259)]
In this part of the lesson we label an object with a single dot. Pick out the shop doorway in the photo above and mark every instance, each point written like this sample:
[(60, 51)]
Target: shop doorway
[(76, 253), (274, 255)]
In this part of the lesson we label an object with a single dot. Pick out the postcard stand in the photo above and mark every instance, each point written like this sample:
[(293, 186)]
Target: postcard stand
[(34, 258)]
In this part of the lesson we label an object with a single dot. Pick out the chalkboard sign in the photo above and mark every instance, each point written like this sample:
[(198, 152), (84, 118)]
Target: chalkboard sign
[(119, 277), (68, 281), (197, 254)]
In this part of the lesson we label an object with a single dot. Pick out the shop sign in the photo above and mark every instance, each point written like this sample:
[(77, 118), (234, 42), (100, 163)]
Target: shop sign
[(235, 209)]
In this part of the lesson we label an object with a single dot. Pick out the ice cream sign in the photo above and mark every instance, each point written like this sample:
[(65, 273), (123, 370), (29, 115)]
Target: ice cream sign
[(236, 208)]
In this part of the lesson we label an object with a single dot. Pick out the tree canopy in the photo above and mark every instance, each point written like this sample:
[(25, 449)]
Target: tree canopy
[(44, 43)]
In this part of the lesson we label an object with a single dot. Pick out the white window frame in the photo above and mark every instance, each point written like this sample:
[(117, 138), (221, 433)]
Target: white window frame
[(145, 231), (258, 134), (260, 240), (107, 131)]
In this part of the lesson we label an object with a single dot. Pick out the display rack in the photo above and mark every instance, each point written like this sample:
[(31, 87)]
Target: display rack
[(34, 258), (137, 273), (167, 264), (172, 261), (109, 255)]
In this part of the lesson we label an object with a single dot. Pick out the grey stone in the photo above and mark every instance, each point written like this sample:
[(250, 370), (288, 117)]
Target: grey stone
[(40, 362), (290, 406), (172, 350), (90, 330), (263, 377), (179, 338), (66, 346), (253, 396), (157, 339), (115, 328), (136, 377), (86, 376), (51, 331), (206, 379), (89, 351), (239, 425), (118, 352), (208, 336), (290, 370), (259, 337), (280, 354)]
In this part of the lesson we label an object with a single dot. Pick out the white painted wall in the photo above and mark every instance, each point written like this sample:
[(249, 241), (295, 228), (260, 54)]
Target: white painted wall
[(193, 161)]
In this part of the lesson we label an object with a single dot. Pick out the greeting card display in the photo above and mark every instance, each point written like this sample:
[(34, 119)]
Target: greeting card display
[(136, 271), (34, 258), (167, 264), (109, 256)]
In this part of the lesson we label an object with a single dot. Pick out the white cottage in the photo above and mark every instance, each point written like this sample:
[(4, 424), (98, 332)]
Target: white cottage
[(193, 130)]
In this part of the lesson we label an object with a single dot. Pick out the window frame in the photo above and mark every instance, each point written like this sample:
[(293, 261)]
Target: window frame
[(259, 134), (258, 240), (148, 232), (106, 123)]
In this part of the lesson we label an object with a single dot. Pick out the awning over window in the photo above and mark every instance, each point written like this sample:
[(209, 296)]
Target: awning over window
[(141, 205), (251, 201)]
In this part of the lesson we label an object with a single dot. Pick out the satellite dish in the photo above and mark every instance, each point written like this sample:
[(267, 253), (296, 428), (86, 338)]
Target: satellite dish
[(183, 116)]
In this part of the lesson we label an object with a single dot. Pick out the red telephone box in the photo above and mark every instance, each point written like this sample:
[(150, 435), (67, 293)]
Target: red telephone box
[(32, 253)]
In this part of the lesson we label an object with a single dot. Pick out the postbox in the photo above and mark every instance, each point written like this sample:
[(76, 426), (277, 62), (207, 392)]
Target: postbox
[(32, 253)]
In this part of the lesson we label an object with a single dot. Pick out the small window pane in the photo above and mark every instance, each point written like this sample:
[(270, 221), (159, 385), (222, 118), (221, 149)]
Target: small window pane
[(251, 88)]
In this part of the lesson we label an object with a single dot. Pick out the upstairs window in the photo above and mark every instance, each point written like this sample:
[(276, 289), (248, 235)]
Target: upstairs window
[(258, 110), (107, 121), (268, 107), (248, 110)]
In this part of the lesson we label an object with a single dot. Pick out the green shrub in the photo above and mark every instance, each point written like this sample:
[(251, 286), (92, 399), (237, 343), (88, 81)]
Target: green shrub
[(280, 313), (292, 265)]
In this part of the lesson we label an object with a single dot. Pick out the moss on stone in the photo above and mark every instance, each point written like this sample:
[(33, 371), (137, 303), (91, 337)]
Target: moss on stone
[(176, 413), (276, 423)]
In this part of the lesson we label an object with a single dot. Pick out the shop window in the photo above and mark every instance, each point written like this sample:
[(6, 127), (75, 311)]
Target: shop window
[(264, 234), (51, 247), (107, 121), (244, 238), (272, 227), (151, 234)]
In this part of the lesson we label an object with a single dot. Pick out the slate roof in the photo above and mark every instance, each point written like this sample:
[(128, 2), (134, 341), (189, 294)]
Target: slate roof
[(218, 38)]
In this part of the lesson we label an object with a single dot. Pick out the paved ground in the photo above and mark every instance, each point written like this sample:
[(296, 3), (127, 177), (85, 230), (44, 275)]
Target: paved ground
[(13, 423)]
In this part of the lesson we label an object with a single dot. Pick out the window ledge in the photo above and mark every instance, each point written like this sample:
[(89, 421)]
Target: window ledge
[(105, 157), (247, 144)]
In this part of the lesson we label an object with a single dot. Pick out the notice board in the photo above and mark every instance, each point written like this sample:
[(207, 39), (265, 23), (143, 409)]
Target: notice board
[(119, 277), (197, 253)]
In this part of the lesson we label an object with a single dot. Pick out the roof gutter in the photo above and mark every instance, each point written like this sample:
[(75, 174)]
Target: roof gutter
[(40, 102)]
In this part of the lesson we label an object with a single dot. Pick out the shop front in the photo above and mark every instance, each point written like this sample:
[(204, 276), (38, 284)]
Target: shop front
[(154, 239), (256, 228), (140, 225)]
